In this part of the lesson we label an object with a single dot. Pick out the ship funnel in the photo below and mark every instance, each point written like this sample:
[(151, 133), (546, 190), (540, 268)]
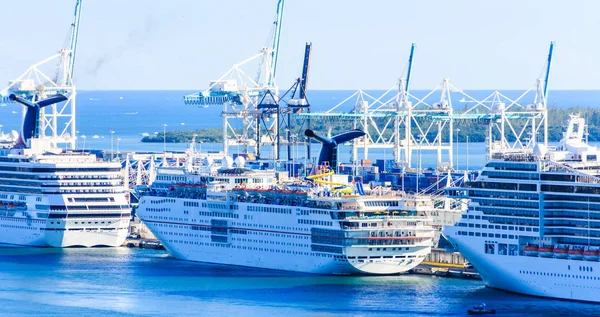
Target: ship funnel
[(328, 153), (31, 122)]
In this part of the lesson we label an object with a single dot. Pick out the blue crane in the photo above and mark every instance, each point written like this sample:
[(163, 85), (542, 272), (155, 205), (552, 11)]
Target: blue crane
[(74, 37), (276, 38), (410, 62), (548, 70)]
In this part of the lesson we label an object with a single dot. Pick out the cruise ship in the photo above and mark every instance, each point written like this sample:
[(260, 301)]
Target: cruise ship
[(533, 220), (229, 214), (51, 197)]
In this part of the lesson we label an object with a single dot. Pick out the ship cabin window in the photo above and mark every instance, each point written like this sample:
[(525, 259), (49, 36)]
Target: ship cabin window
[(484, 235), (477, 217), (591, 157), (513, 250), (484, 226), (489, 248), (528, 229), (471, 217)]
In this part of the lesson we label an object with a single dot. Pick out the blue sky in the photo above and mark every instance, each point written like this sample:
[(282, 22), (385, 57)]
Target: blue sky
[(182, 44)]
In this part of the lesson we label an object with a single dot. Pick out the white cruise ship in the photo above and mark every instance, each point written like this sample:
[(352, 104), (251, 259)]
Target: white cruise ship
[(238, 216), (55, 198), (61, 200), (533, 220)]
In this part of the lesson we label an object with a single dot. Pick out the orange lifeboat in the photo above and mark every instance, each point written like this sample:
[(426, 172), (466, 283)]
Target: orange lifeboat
[(591, 255), (576, 254), (531, 250), (546, 251), (561, 253)]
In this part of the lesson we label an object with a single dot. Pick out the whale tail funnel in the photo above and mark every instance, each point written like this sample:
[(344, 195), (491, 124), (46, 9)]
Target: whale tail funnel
[(329, 145), (31, 122)]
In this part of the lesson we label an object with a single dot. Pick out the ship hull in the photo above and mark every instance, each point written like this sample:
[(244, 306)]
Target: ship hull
[(284, 256), (34, 233), (530, 275)]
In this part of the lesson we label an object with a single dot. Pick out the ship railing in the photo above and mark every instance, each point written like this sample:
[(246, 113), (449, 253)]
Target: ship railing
[(519, 156), (549, 166), (379, 217), (389, 241)]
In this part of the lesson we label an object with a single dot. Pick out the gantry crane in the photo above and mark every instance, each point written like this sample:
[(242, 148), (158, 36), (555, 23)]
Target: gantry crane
[(240, 95), (58, 124)]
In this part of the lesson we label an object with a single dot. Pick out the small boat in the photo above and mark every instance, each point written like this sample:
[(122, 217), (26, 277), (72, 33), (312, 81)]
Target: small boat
[(576, 254), (546, 251), (590, 255), (531, 250), (480, 310), (561, 253)]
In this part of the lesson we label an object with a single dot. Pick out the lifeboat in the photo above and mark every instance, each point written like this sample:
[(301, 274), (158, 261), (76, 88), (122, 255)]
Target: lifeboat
[(531, 250), (561, 253), (576, 254), (11, 206), (591, 255), (546, 251)]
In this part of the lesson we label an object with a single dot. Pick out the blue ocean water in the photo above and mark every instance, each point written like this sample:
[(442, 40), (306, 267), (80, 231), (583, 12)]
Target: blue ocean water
[(131, 113), (136, 282)]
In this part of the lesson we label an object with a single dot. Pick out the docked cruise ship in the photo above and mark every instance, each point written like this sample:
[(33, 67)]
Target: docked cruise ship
[(233, 215), (50, 197), (56, 199), (533, 220)]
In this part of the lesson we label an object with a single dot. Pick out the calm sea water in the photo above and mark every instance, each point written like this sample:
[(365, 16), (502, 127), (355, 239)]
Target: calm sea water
[(134, 282)]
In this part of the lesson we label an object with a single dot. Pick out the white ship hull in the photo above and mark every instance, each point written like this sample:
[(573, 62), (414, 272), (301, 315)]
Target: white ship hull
[(34, 233), (536, 276), (284, 256), (262, 224)]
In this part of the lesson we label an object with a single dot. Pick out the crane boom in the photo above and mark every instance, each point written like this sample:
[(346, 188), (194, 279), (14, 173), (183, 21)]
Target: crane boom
[(276, 37), (410, 62), (548, 70), (305, 69), (73, 44)]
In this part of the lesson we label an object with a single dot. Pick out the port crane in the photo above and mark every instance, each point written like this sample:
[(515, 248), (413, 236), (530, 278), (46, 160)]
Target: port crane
[(407, 122), (57, 122), (240, 96), (283, 108)]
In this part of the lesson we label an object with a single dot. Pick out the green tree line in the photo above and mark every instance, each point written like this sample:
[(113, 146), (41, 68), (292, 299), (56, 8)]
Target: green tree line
[(476, 130)]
